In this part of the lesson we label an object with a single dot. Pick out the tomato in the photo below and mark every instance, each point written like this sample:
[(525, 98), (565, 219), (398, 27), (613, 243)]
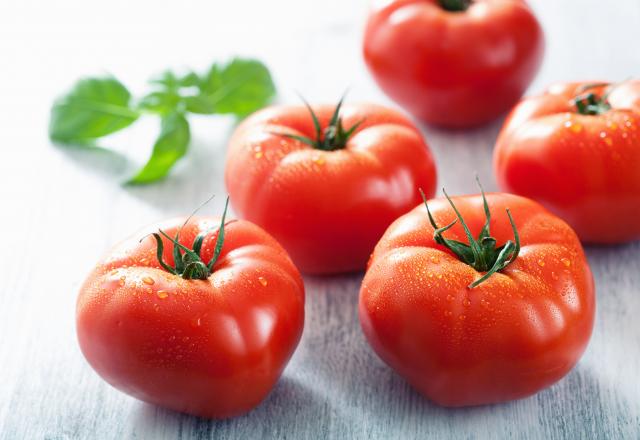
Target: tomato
[(433, 310), (211, 346), (453, 63), (327, 191), (576, 149)]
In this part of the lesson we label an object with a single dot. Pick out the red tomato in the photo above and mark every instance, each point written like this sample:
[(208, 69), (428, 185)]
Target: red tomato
[(577, 152), (211, 347), (453, 63), (514, 333), (327, 194)]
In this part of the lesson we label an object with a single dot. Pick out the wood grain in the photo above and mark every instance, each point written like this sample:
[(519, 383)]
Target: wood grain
[(62, 208)]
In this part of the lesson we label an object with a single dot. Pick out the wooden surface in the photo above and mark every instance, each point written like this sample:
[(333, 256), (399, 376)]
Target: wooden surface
[(62, 208)]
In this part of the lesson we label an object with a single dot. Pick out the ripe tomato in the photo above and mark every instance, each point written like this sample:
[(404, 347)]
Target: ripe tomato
[(461, 335), (576, 150), (212, 347), (453, 63), (327, 192)]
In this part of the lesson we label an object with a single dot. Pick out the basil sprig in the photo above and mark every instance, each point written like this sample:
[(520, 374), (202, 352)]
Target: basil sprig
[(99, 106)]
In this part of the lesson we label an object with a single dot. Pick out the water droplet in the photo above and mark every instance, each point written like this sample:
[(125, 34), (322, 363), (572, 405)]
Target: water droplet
[(448, 313), (541, 263), (462, 317), (318, 160), (566, 261), (162, 294), (466, 302), (113, 272), (262, 281), (148, 280), (449, 298), (576, 128), (121, 281), (608, 141), (434, 259), (439, 276), (144, 261), (258, 155)]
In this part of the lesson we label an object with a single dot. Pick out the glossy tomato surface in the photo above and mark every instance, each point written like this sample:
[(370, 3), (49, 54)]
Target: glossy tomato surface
[(327, 208), (514, 334), (453, 69), (213, 347), (584, 168)]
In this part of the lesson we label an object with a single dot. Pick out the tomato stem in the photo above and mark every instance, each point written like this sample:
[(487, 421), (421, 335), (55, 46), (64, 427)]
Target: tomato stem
[(333, 137), (481, 253), (588, 103), (188, 262), (455, 5)]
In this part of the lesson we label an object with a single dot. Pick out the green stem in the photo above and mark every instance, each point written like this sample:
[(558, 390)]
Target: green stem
[(481, 253), (588, 103), (333, 137), (188, 262), (455, 5)]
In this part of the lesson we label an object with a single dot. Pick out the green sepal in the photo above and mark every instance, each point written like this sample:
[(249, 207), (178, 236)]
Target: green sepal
[(480, 253)]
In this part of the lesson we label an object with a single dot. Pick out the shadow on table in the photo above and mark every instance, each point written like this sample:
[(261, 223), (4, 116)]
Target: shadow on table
[(292, 410)]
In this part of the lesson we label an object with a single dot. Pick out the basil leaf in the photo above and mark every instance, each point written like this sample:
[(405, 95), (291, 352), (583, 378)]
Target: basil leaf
[(162, 102), (240, 87), (171, 81), (93, 108), (170, 146)]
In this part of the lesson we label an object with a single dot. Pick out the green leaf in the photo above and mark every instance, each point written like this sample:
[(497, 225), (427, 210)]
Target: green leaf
[(162, 102), (191, 79), (93, 108), (240, 87), (170, 81), (199, 104), (170, 146)]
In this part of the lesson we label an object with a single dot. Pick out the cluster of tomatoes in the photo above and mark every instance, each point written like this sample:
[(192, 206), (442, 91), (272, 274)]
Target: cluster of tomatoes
[(473, 299)]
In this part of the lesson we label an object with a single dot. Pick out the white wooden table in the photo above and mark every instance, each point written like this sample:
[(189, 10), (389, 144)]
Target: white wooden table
[(62, 208)]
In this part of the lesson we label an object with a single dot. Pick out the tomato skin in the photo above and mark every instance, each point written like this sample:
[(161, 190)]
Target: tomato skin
[(212, 348), (516, 333), (453, 69), (584, 168), (327, 208)]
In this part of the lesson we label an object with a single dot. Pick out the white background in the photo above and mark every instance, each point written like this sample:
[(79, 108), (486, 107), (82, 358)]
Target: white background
[(62, 208)]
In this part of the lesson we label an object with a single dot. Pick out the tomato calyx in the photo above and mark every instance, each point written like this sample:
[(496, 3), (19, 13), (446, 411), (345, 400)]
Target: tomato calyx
[(589, 103), (188, 262), (481, 253), (333, 137), (455, 5)]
